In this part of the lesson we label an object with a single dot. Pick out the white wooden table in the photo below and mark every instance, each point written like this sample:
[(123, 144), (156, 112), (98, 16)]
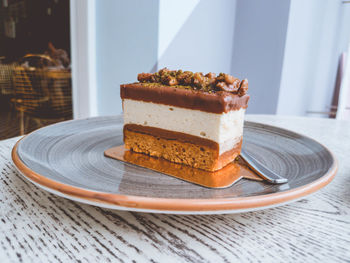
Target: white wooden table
[(36, 226)]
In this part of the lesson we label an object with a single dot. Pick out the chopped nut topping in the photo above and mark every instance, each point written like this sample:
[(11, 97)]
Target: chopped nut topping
[(211, 75), (144, 77), (185, 78), (243, 88), (226, 87), (169, 80), (229, 79), (196, 81)]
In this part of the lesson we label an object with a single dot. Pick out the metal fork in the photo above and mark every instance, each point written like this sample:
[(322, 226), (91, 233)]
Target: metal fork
[(261, 169)]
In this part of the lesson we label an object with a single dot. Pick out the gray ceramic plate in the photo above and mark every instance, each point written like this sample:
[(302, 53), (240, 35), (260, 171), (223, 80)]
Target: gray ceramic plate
[(67, 159)]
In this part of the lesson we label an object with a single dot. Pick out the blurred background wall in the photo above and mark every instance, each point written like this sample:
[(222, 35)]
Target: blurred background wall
[(318, 32), (258, 50), (126, 43), (288, 50)]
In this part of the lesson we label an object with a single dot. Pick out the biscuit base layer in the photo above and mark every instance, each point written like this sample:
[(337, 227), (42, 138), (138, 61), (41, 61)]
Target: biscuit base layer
[(194, 155)]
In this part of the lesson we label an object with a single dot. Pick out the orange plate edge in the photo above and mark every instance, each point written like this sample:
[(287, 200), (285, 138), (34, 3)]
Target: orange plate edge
[(166, 204)]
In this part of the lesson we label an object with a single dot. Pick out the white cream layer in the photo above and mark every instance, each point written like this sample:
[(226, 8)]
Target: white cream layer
[(226, 128)]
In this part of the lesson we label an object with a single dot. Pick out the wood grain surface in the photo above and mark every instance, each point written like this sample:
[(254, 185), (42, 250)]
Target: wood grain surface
[(40, 227)]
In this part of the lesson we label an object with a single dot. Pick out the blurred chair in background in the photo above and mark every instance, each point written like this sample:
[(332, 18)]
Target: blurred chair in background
[(6, 71), (42, 91), (6, 87)]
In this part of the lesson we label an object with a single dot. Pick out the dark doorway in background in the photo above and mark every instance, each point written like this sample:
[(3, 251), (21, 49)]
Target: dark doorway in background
[(35, 73)]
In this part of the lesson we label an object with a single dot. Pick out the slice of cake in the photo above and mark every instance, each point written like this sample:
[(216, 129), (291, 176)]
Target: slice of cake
[(185, 117)]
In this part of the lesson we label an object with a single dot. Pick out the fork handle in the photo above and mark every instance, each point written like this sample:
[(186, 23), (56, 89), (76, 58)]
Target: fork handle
[(262, 170)]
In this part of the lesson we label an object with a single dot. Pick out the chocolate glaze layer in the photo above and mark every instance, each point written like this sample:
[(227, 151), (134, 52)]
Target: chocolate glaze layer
[(217, 102)]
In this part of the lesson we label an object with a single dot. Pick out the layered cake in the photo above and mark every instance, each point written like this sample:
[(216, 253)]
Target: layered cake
[(185, 117)]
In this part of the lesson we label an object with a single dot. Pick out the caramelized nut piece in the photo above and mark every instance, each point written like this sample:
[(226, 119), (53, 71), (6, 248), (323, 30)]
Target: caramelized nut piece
[(236, 83), (144, 77), (185, 78), (188, 80), (155, 78), (243, 88), (179, 72), (169, 80), (163, 71), (172, 81), (226, 87), (221, 85), (220, 78), (229, 79), (211, 75), (198, 79), (198, 75)]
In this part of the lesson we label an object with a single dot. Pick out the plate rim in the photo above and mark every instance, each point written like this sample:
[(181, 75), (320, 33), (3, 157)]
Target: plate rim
[(174, 205)]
